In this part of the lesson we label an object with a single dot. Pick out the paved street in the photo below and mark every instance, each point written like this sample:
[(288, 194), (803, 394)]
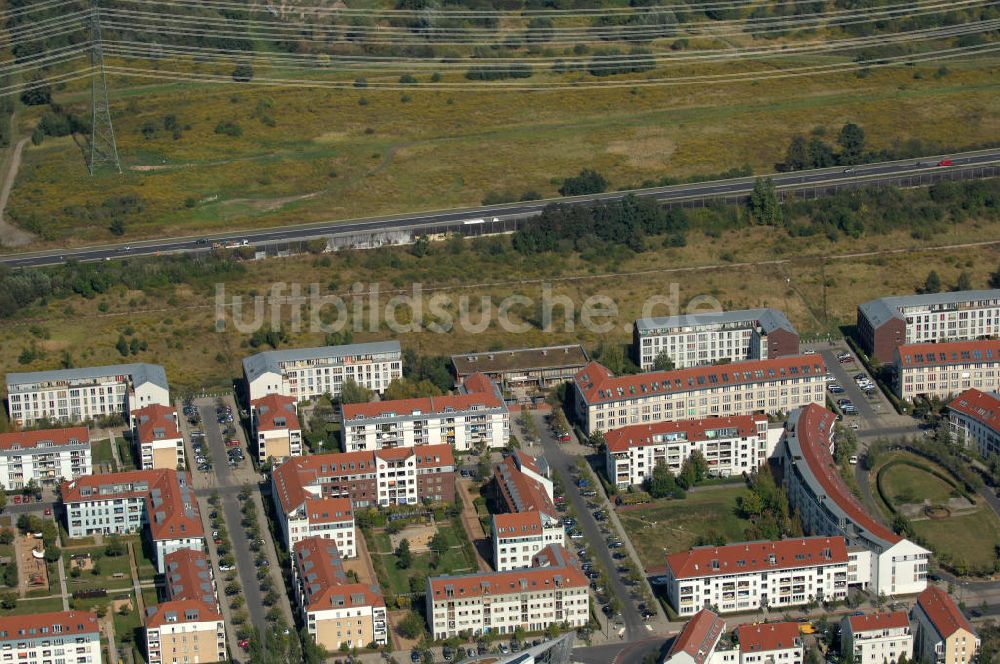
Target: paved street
[(564, 464)]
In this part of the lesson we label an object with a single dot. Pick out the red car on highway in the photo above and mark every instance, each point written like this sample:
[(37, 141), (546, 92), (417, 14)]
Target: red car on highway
[(945, 162)]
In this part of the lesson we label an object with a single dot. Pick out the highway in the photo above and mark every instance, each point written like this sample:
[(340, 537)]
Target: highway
[(838, 176)]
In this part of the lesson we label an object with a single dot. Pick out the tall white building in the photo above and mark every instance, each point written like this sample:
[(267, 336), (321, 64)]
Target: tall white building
[(61, 637), (306, 373), (730, 445), (604, 401), (945, 369), (877, 638), (889, 322), (159, 502), (476, 416), (751, 575), (276, 427), (519, 536), (78, 395), (47, 456), (770, 643), (692, 340), (501, 602), (826, 506), (159, 441), (974, 417)]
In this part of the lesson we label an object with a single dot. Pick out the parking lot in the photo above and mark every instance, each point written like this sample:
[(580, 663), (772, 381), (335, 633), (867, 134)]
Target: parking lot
[(852, 390)]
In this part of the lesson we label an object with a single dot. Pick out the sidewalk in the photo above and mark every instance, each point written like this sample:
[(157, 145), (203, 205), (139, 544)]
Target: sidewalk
[(473, 527)]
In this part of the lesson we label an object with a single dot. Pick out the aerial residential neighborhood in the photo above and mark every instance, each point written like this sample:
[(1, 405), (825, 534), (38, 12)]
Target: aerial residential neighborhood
[(500, 332)]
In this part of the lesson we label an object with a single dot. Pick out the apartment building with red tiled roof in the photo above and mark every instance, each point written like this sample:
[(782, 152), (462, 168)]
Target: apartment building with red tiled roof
[(46, 456), (877, 637), (276, 429), (945, 369), (70, 637), (157, 438), (974, 417), (944, 634)]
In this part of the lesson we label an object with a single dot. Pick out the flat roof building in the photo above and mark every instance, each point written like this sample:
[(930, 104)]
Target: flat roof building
[(80, 395), (888, 322), (306, 373), (692, 340), (523, 371)]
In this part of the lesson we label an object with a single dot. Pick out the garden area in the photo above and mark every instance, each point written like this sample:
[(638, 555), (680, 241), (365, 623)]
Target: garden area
[(933, 507)]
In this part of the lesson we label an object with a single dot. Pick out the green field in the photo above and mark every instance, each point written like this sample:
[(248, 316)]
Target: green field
[(965, 541), (107, 566), (452, 561), (29, 606), (906, 484), (669, 526)]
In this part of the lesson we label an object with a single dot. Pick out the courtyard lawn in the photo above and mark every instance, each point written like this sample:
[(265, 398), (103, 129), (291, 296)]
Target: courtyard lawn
[(965, 542), (113, 572), (904, 484), (396, 580), (29, 606), (101, 451), (668, 526)]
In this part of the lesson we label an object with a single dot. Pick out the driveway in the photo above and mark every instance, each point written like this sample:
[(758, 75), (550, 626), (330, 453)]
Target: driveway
[(564, 464), (853, 392)]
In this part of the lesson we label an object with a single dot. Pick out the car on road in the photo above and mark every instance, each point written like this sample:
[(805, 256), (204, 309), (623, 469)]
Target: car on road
[(589, 493), (232, 443), (204, 467), (849, 170), (415, 656), (48, 511), (503, 648), (945, 162), (227, 568), (17, 500), (618, 555), (835, 389), (565, 438), (244, 643)]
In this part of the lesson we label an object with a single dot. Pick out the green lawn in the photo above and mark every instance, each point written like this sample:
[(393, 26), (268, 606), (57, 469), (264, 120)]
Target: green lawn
[(668, 526), (965, 540), (107, 568), (101, 451), (125, 454), (904, 484), (452, 561), (29, 606)]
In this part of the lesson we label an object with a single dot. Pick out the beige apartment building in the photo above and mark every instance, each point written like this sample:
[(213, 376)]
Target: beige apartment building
[(604, 401), (944, 634), (276, 427), (186, 630), (946, 369), (157, 438)]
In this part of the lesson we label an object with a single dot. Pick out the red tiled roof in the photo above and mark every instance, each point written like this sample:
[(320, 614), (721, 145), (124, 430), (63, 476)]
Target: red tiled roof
[(171, 508), (768, 637), (30, 439), (640, 435), (984, 407), (188, 575), (477, 394), (699, 636), (942, 612), (909, 356), (329, 510), (321, 572), (757, 556), (19, 628), (514, 524), (502, 583), (813, 430), (157, 615), (878, 621), (598, 384), (520, 492), (291, 477), (526, 461), (269, 411), (156, 422)]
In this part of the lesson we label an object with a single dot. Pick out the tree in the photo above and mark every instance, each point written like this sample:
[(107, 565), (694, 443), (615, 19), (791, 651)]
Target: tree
[(243, 72), (114, 547), (820, 153), (122, 345), (663, 362), (994, 281), (763, 204), (964, 282), (933, 282), (52, 554), (3, 499), (662, 483), (797, 155), (403, 556), (587, 182), (117, 227), (438, 544), (412, 626), (352, 392), (852, 143), (597, 440)]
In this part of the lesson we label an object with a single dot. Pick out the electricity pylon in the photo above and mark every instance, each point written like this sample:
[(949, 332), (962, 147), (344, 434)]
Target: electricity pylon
[(103, 150)]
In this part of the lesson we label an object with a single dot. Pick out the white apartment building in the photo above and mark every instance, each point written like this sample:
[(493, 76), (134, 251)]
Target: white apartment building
[(893, 565), (693, 340), (159, 441), (946, 369), (276, 427), (888, 322), (730, 445), (501, 602), (519, 537), (334, 610), (79, 395), (306, 373), (474, 417), (878, 638), (185, 630), (770, 643), (48, 457), (943, 634), (974, 417), (329, 518), (751, 575), (60, 637), (697, 640), (160, 502), (605, 402)]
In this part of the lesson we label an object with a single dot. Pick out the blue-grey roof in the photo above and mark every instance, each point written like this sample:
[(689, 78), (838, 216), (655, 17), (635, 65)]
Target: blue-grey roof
[(268, 361), (141, 373), (769, 319), (886, 308)]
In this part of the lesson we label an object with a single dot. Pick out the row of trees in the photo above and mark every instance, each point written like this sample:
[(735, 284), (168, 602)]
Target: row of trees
[(815, 152)]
